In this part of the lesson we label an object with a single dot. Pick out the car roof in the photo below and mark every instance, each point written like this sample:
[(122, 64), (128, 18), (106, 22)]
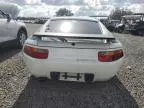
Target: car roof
[(74, 18)]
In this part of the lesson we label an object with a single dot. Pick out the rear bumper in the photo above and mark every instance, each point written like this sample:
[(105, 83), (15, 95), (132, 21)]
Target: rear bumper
[(101, 71)]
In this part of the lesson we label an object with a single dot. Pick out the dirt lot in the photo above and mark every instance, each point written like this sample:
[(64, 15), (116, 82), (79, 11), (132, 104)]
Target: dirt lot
[(19, 90)]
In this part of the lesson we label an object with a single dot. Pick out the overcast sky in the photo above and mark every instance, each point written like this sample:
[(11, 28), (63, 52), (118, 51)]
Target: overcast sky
[(78, 7), (77, 2)]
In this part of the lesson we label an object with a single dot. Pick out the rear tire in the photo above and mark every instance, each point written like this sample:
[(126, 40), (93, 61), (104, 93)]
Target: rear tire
[(140, 32), (21, 38)]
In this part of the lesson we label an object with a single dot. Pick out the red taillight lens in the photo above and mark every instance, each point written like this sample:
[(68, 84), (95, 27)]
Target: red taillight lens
[(36, 52), (109, 56)]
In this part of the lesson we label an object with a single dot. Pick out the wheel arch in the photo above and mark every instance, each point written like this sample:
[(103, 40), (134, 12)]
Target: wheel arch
[(23, 29)]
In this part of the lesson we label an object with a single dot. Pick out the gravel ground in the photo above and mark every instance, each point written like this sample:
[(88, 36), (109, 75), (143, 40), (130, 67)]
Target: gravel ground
[(131, 73), (19, 90)]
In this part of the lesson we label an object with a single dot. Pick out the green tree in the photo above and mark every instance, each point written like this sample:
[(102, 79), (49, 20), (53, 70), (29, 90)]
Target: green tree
[(64, 12), (118, 13)]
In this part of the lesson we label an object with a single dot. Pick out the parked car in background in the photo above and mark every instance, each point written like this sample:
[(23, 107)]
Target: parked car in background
[(33, 20), (11, 31), (40, 20), (108, 22), (134, 24), (111, 25), (120, 28), (73, 49)]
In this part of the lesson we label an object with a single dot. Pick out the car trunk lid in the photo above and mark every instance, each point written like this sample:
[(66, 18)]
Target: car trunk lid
[(73, 48)]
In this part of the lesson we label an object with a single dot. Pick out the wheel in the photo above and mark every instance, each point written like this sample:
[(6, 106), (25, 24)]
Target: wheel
[(21, 38), (120, 30), (140, 32), (133, 32)]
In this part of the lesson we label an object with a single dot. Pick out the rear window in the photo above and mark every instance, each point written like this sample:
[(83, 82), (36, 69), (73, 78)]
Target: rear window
[(74, 26)]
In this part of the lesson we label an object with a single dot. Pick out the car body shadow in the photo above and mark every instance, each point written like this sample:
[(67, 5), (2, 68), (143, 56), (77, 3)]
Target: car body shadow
[(8, 52), (58, 94)]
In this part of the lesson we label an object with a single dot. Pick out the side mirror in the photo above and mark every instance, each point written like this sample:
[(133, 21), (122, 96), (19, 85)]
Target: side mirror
[(8, 17)]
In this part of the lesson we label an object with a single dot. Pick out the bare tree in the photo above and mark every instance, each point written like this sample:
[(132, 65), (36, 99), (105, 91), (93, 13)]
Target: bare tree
[(118, 13)]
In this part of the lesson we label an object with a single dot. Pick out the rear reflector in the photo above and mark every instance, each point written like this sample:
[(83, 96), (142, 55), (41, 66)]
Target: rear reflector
[(109, 56), (36, 52)]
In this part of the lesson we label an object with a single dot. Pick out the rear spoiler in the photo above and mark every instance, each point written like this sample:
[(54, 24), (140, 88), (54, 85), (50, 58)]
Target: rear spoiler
[(64, 38), (76, 37)]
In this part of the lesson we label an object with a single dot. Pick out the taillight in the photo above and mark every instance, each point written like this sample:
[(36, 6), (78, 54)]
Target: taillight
[(109, 56), (36, 52)]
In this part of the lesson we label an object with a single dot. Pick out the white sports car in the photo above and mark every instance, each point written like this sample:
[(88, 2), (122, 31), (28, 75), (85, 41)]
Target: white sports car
[(11, 31), (73, 49)]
